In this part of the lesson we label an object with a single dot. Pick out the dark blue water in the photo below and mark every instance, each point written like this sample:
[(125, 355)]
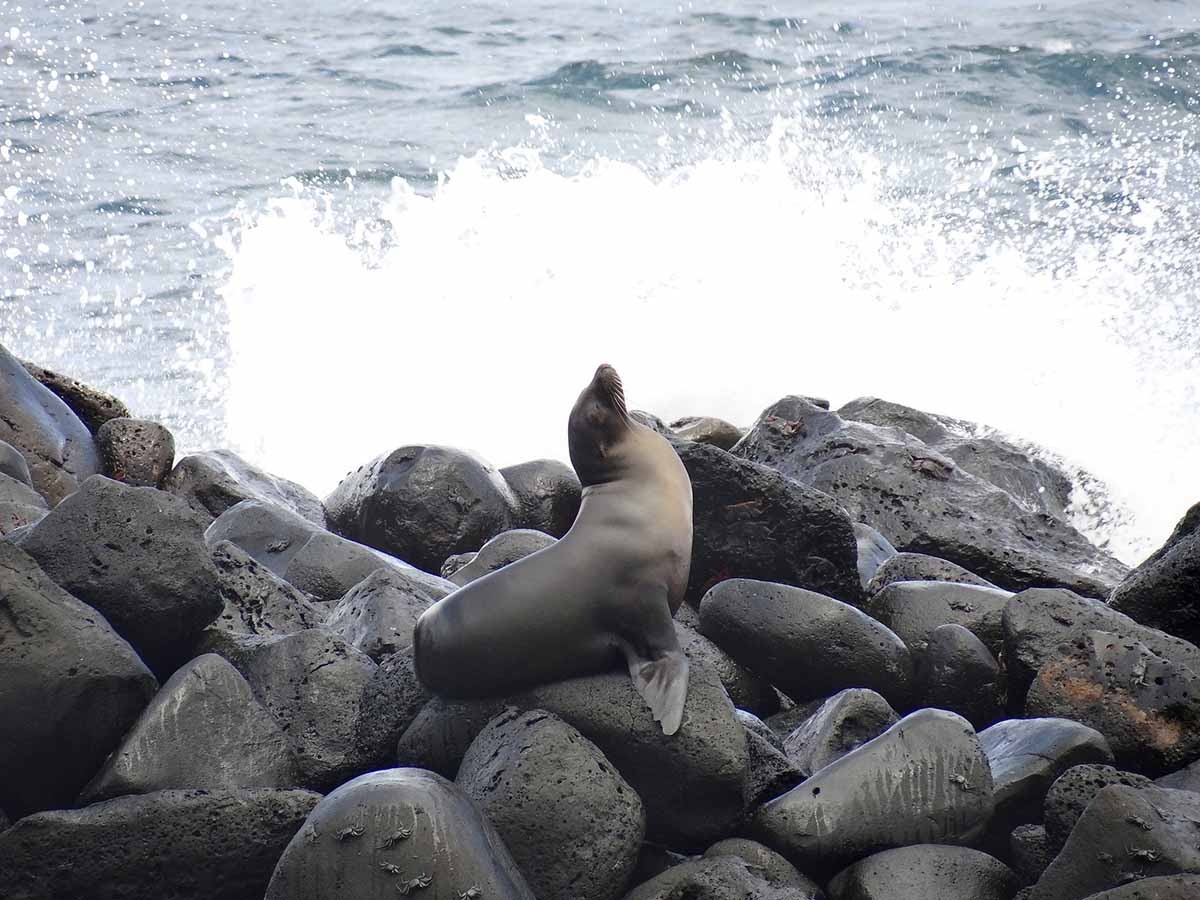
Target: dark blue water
[(312, 230)]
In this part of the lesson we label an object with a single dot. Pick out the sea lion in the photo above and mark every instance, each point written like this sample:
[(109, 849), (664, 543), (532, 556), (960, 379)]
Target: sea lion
[(608, 588)]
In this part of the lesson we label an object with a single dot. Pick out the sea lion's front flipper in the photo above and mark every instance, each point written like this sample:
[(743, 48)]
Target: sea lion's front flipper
[(663, 684)]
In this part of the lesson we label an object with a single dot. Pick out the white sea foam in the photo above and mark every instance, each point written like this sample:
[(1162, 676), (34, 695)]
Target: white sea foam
[(784, 266)]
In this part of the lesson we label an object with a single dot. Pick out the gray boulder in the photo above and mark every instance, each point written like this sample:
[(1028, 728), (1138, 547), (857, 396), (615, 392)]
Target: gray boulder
[(1027, 755), (398, 832), (924, 780), (93, 406), (1164, 591), (138, 556), (751, 522), (920, 567), (1164, 887), (391, 699), (1146, 706), (1125, 834), (957, 672), (572, 823), (269, 533), (327, 566), (204, 729), (926, 872), (13, 464), (806, 644), (70, 686), (1073, 790), (422, 504), (57, 447), (1185, 779), (186, 845), (1030, 852), (718, 878), (707, 430), (217, 480), (873, 551), (924, 501), (20, 505), (843, 723), (256, 600), (506, 547), (765, 863), (136, 452), (378, 615), (770, 772), (547, 493), (312, 682), (747, 690), (1038, 623), (913, 609)]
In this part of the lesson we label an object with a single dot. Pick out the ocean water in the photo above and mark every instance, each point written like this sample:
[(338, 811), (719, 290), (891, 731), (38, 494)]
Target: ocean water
[(313, 231)]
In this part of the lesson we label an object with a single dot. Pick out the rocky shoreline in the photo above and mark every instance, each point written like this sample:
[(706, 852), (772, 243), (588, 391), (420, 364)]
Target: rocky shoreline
[(912, 678)]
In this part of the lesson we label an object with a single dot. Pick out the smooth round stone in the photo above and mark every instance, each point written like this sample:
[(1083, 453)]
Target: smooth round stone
[(926, 872), (504, 548)]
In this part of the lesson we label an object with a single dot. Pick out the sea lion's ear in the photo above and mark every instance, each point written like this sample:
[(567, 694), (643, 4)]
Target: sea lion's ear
[(663, 684)]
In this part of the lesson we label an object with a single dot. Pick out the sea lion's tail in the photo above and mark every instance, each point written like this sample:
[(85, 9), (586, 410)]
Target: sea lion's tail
[(663, 684)]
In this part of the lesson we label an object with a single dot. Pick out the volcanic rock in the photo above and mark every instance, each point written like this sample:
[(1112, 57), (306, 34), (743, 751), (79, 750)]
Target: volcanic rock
[(691, 783), (547, 493), (926, 872), (747, 690), (57, 447), (919, 567), (1037, 623), (504, 548), (844, 722), (1074, 789), (270, 534), (804, 643), (924, 780), (378, 615), (707, 430), (217, 480), (770, 773), (93, 406), (718, 878), (138, 556), (391, 700), (913, 609), (572, 823), (1030, 852), (204, 729), (957, 672), (423, 503), (397, 832), (1165, 887), (20, 505), (327, 566), (873, 551), (1146, 706), (256, 600), (13, 465), (135, 451), (1026, 755), (1164, 591), (69, 688), (1125, 834), (925, 502), (751, 522), (765, 863), (1186, 779), (312, 682), (185, 845)]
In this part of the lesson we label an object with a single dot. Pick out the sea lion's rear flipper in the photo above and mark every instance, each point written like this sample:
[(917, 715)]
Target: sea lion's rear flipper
[(663, 684)]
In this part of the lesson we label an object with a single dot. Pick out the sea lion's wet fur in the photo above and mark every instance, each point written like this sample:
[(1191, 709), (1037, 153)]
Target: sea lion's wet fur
[(606, 590)]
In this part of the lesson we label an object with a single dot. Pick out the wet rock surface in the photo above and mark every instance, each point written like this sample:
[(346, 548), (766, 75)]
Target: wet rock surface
[(747, 690), (1074, 790), (1164, 591), (1146, 706), (715, 879), (920, 567), (764, 862), (547, 494), (217, 480), (1039, 623), (924, 501), (873, 551), (1027, 755), (913, 609), (925, 872), (136, 452), (70, 687), (504, 548), (957, 672), (422, 504), (572, 823), (93, 406), (138, 556), (187, 845), (1125, 834), (844, 722), (806, 644), (707, 430), (327, 566), (924, 780), (749, 521), (203, 729), (397, 832), (57, 447)]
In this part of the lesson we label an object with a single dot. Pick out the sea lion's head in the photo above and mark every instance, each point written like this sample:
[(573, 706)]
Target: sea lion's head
[(598, 425)]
